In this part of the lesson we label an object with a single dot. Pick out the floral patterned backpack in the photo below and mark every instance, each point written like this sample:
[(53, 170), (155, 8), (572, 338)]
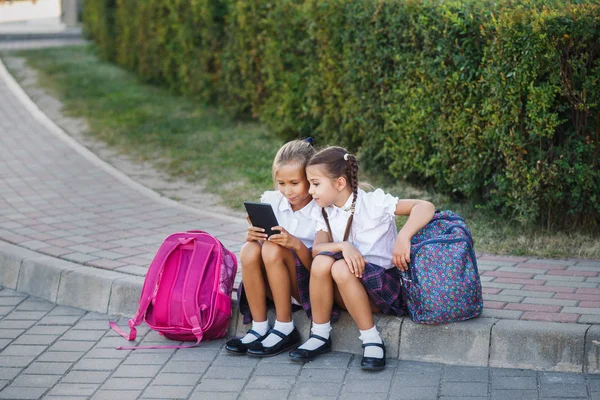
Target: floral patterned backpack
[(442, 283)]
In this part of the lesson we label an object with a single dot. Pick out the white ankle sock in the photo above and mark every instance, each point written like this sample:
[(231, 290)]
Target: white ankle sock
[(284, 327), (317, 329), (371, 336), (259, 327)]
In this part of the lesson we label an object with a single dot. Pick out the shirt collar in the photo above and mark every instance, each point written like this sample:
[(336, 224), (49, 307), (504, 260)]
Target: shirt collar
[(305, 211), (333, 210)]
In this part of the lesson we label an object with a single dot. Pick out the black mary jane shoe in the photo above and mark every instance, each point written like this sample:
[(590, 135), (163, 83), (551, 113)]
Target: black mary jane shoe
[(257, 349), (236, 346), (304, 355), (373, 363)]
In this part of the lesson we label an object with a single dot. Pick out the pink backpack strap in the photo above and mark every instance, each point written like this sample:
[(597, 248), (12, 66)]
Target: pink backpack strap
[(192, 310), (152, 275)]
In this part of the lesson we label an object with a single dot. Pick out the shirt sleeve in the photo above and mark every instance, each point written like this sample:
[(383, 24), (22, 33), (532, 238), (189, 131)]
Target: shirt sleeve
[(380, 205), (273, 197), (317, 216)]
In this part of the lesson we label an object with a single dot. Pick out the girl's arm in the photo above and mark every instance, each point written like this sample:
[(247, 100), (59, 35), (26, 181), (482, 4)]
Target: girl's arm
[(323, 243), (354, 260), (419, 214)]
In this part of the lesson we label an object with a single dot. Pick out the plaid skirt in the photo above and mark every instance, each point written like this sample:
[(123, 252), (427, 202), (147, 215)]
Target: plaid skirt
[(382, 285), (303, 280)]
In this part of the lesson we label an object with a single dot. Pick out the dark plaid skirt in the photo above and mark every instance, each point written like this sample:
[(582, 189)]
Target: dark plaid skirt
[(383, 286), (303, 280)]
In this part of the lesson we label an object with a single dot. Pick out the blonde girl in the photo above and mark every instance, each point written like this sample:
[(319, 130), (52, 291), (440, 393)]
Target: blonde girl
[(273, 268), (358, 253)]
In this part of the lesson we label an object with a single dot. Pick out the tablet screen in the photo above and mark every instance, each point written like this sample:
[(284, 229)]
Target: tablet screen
[(262, 216)]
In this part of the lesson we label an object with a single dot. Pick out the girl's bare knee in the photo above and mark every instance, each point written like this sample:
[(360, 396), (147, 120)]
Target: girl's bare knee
[(272, 253), (250, 254), (340, 272), (321, 266)]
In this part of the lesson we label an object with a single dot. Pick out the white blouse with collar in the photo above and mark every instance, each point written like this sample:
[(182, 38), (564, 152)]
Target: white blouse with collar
[(298, 223), (373, 230)]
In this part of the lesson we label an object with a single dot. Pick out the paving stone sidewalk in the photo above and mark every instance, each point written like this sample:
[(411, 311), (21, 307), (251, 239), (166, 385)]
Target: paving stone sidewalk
[(54, 352), (56, 201)]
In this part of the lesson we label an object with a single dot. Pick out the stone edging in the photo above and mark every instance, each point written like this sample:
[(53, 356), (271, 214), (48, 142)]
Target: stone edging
[(547, 346)]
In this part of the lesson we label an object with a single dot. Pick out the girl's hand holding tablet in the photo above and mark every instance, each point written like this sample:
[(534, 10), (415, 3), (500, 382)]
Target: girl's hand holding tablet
[(255, 233), (284, 238)]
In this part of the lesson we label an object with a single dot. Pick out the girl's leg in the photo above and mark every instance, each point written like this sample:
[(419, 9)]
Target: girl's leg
[(278, 262), (322, 291), (253, 276), (359, 306), (281, 267), (354, 295), (256, 289)]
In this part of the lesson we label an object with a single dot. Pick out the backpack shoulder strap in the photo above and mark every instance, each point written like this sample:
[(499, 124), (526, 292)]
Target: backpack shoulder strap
[(194, 278), (148, 288)]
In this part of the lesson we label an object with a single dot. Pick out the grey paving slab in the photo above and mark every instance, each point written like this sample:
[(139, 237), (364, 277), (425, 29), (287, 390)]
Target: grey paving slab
[(209, 372)]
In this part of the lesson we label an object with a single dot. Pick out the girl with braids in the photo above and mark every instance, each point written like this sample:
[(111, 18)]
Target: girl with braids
[(277, 267), (358, 253)]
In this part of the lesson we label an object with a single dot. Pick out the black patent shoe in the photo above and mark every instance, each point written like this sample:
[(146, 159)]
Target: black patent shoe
[(304, 355), (236, 346), (373, 363), (287, 342)]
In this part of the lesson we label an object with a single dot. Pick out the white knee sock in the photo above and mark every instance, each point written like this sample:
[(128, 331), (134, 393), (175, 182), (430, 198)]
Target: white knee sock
[(259, 327), (317, 329), (284, 327), (371, 336)]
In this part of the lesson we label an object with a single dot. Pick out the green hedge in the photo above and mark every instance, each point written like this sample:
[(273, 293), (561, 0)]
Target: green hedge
[(99, 25), (488, 100)]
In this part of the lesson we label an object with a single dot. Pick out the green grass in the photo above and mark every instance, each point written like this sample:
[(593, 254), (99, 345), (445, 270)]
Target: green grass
[(233, 159)]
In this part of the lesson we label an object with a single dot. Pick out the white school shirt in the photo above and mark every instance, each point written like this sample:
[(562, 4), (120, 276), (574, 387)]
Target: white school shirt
[(373, 230), (298, 223)]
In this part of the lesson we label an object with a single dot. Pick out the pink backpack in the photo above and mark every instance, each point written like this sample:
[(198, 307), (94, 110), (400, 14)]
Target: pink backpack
[(187, 291)]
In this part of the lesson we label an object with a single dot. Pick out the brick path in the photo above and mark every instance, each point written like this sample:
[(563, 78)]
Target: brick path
[(50, 352), (55, 201), (541, 290)]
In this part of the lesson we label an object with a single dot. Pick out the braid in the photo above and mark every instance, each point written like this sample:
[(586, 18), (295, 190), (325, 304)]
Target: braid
[(352, 172)]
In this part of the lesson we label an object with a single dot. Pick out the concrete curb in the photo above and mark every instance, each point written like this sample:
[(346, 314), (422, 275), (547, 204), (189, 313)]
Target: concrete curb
[(487, 342)]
